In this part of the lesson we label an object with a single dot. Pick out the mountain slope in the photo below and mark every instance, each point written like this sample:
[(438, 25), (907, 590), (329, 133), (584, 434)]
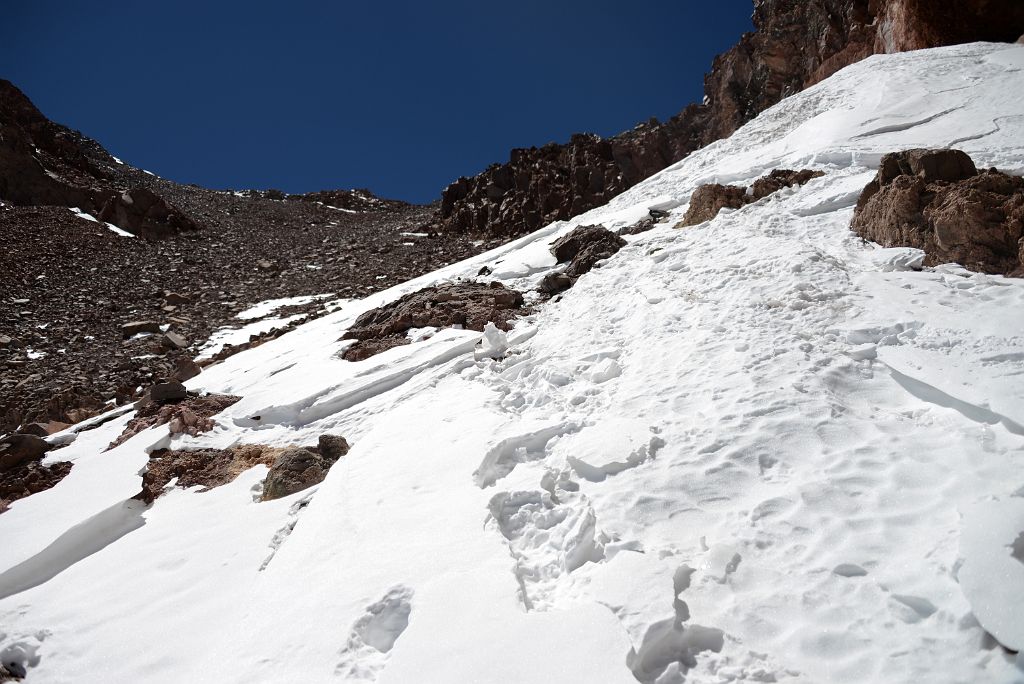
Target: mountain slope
[(758, 449)]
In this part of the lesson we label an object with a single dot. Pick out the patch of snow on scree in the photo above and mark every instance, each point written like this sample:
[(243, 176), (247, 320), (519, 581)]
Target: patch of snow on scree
[(754, 450)]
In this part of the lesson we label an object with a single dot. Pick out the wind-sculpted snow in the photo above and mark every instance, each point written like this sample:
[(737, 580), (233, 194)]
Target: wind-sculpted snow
[(755, 449)]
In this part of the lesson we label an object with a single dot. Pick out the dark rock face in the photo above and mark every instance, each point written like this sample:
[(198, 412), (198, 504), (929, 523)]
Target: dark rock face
[(296, 468), (708, 200), (583, 247), (935, 200), (796, 44), (470, 305)]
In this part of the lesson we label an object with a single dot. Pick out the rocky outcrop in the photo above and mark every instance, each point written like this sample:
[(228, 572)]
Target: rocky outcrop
[(937, 201), (290, 469), (207, 468), (468, 305), (583, 247), (43, 163), (708, 200), (795, 45), (190, 415), (296, 468), (142, 212)]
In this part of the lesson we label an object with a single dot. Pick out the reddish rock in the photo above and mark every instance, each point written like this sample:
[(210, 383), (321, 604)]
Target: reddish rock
[(469, 305), (936, 201), (708, 200), (191, 416), (207, 468)]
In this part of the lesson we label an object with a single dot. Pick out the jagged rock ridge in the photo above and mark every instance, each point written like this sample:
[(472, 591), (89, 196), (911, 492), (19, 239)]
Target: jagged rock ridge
[(795, 45)]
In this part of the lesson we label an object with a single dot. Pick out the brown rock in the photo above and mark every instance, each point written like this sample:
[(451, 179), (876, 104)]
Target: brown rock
[(781, 178), (185, 369), (137, 327), (470, 305), (935, 201), (142, 212), (27, 479), (18, 449), (207, 468), (296, 468), (44, 429), (150, 414), (584, 246), (176, 299), (708, 200)]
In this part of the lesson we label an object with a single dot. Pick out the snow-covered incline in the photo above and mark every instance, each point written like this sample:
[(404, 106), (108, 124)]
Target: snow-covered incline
[(754, 450)]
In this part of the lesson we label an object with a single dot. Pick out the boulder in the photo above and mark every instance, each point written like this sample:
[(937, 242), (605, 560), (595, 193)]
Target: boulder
[(294, 469), (332, 447), (142, 212), (708, 200), (175, 299), (19, 449), (138, 327), (583, 247), (163, 392), (468, 305), (44, 429), (936, 201), (175, 340), (185, 369)]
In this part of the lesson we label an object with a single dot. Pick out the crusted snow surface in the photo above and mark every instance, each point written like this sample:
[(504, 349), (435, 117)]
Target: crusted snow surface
[(755, 450)]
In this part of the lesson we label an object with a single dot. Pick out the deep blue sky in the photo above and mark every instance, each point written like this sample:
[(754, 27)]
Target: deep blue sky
[(400, 97)]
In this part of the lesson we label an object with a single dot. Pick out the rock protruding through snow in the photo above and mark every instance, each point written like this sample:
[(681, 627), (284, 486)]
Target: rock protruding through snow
[(937, 201), (189, 416), (467, 305), (708, 200)]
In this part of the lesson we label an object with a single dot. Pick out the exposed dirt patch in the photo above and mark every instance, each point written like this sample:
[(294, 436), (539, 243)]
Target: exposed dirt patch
[(937, 201), (469, 305)]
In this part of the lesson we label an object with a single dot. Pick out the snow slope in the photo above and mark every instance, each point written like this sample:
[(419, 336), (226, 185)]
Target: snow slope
[(754, 450)]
